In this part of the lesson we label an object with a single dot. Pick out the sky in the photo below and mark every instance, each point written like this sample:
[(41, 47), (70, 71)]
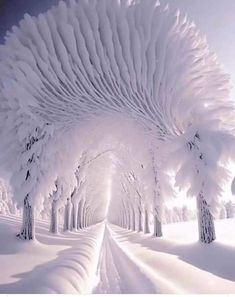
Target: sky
[(215, 19)]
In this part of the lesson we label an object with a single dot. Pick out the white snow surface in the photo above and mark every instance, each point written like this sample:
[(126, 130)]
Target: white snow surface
[(108, 259), (64, 263), (178, 263)]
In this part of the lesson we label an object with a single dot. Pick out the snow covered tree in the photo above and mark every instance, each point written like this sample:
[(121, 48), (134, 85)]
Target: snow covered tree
[(68, 214), (7, 207), (30, 172), (138, 199), (157, 201), (223, 213), (76, 198), (127, 200), (199, 158), (229, 206), (186, 214), (92, 59), (54, 225), (167, 216), (162, 189)]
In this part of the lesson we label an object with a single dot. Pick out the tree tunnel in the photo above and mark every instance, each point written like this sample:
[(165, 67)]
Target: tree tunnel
[(103, 104)]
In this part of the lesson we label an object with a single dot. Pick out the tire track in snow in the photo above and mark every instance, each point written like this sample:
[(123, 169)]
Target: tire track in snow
[(163, 284), (118, 273)]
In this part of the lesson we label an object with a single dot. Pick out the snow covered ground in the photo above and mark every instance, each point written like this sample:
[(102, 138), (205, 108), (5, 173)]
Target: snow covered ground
[(108, 259), (178, 263), (64, 263), (118, 273)]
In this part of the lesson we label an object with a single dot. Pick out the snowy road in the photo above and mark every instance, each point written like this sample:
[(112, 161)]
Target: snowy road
[(117, 273), (109, 259)]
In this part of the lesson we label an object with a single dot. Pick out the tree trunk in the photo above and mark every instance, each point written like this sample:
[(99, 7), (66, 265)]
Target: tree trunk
[(83, 216), (157, 228), (121, 221), (137, 220), (129, 219), (146, 222), (54, 218), (88, 220), (68, 216), (74, 216), (79, 222), (205, 221), (28, 228), (140, 221), (124, 219), (133, 219)]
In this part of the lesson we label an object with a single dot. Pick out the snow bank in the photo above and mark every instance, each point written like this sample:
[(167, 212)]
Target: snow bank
[(179, 262), (54, 264)]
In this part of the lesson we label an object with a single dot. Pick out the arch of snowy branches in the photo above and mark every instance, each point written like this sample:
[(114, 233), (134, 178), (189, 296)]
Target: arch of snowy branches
[(89, 59)]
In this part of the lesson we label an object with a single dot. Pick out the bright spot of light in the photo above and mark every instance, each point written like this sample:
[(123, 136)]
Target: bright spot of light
[(181, 200), (108, 195)]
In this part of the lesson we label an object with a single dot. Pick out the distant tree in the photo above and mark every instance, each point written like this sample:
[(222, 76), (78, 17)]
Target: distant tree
[(229, 206), (223, 213)]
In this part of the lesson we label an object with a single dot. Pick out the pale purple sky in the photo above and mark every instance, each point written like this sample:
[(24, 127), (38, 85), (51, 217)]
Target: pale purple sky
[(215, 18)]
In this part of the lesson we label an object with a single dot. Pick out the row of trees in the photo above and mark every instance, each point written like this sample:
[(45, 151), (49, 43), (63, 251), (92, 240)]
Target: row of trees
[(7, 207), (73, 201), (145, 182), (55, 210), (86, 61), (146, 187)]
